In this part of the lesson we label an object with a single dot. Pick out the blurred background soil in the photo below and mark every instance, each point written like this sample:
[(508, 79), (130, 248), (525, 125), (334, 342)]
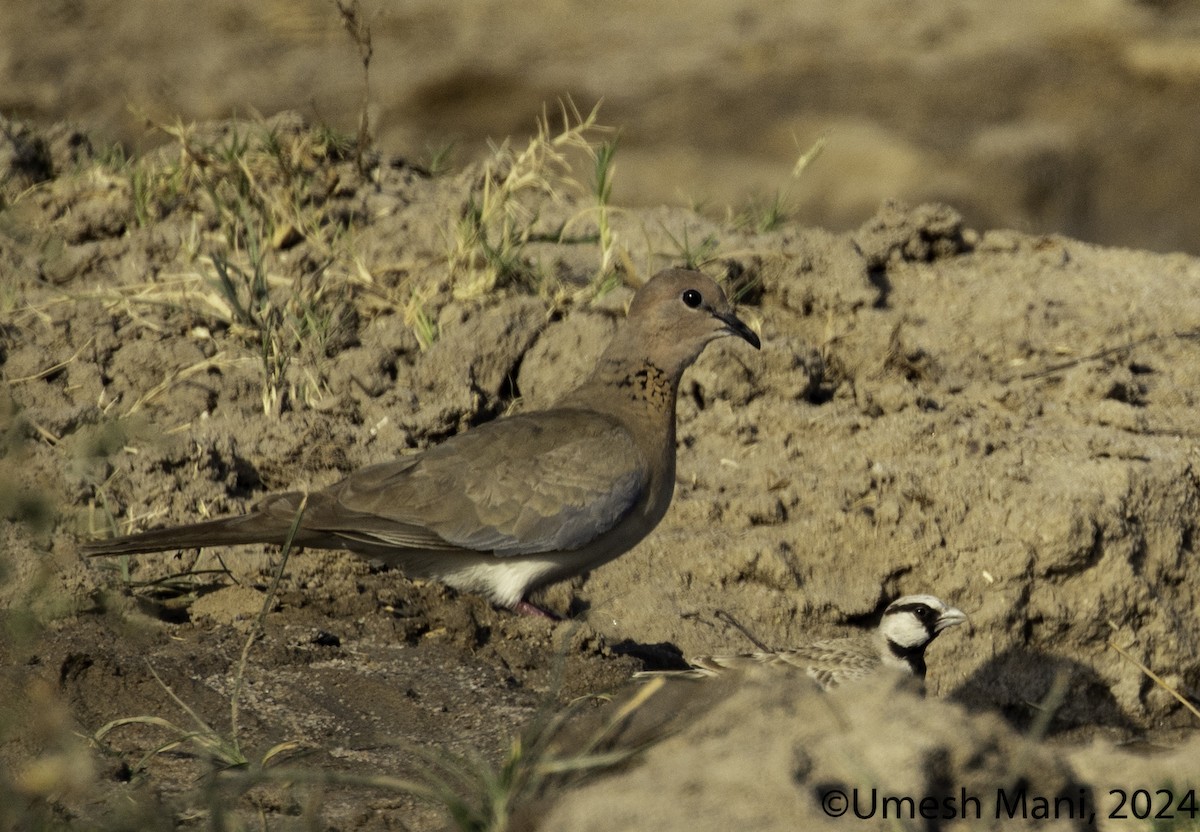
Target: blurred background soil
[(1079, 118)]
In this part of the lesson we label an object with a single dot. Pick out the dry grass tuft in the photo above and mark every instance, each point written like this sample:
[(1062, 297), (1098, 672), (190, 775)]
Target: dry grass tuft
[(501, 214)]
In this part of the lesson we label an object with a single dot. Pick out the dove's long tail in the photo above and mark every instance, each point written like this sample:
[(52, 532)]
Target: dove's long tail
[(269, 522), (227, 531)]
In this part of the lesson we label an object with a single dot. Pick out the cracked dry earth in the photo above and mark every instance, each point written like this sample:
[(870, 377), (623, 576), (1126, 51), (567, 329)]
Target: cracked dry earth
[(1006, 421)]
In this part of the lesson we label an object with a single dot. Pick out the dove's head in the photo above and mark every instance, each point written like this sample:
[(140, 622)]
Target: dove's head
[(677, 313)]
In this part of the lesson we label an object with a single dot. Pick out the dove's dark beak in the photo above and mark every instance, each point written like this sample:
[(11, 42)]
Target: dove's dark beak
[(735, 326)]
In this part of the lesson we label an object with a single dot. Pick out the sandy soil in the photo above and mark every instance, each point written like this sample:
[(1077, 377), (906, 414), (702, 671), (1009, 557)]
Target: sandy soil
[(1006, 421)]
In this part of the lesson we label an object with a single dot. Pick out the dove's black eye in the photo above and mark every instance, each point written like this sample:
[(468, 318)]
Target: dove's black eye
[(692, 298)]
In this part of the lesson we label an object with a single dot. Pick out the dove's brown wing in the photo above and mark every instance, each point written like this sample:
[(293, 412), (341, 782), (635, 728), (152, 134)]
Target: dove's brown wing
[(540, 482)]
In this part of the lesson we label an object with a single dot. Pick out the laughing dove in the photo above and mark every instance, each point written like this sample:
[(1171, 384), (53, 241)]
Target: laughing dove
[(526, 500)]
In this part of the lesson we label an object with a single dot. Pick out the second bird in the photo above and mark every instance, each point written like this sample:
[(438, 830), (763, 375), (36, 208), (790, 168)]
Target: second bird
[(523, 501), (908, 626)]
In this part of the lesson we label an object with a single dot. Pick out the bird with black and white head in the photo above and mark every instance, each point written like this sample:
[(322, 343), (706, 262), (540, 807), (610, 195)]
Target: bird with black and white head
[(908, 626)]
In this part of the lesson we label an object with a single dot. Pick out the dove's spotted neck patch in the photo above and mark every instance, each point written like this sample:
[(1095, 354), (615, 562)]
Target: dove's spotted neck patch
[(648, 383)]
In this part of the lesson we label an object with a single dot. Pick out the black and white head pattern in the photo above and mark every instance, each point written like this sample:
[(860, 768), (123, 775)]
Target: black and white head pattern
[(908, 626)]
